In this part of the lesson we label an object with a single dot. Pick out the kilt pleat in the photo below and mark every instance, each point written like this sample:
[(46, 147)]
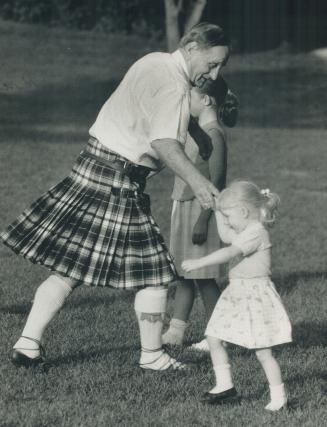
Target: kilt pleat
[(84, 230)]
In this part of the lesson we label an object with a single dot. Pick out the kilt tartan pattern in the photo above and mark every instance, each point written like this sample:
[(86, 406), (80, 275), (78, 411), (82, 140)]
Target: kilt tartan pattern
[(95, 228)]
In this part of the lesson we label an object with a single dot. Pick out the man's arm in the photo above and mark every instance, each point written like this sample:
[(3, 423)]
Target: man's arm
[(172, 154)]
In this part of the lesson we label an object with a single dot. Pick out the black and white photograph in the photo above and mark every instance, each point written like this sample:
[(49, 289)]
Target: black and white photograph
[(163, 237)]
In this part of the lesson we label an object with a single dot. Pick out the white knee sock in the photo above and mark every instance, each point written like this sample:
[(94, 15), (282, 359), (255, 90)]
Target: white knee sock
[(278, 397), (223, 378), (150, 307), (49, 298), (175, 333)]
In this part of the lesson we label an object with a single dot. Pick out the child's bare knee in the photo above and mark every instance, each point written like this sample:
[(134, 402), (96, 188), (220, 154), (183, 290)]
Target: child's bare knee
[(263, 355), (214, 342)]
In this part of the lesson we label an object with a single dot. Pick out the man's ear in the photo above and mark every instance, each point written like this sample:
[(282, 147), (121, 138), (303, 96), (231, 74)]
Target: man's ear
[(245, 211), (191, 46), (207, 100)]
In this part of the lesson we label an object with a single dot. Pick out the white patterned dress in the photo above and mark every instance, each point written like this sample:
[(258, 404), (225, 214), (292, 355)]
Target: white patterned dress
[(250, 312)]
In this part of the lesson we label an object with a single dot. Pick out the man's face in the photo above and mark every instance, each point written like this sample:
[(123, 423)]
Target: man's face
[(205, 64)]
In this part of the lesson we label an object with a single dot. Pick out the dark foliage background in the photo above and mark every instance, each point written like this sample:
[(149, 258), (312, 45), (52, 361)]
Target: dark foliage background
[(253, 24)]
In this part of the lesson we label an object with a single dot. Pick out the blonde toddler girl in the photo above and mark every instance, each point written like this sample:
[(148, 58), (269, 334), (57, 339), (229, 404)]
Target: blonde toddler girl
[(249, 312)]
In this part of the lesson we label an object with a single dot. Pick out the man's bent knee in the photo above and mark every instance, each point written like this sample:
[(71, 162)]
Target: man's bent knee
[(71, 283), (151, 303)]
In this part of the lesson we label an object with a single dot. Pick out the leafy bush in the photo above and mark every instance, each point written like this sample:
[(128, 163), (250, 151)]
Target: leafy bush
[(146, 16)]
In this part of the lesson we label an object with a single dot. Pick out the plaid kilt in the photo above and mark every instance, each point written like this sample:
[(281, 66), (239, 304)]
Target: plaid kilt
[(94, 227)]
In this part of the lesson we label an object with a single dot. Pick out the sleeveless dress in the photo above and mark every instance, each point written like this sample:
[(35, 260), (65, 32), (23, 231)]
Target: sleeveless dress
[(250, 312), (185, 212)]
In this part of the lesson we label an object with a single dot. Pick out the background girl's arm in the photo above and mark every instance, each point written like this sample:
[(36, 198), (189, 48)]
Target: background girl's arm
[(218, 257), (217, 175), (218, 159)]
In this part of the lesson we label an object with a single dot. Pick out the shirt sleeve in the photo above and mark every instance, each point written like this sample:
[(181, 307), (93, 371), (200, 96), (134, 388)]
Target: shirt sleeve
[(248, 241), (169, 115)]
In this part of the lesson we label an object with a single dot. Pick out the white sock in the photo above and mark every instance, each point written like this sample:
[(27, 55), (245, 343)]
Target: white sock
[(150, 307), (49, 298), (223, 378), (175, 333), (278, 397)]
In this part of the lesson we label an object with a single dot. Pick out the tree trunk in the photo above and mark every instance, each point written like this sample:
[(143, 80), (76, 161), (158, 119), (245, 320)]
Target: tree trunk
[(195, 14), (173, 9), (172, 25)]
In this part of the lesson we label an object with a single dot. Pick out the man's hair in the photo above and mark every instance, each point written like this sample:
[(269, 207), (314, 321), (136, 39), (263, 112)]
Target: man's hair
[(205, 35)]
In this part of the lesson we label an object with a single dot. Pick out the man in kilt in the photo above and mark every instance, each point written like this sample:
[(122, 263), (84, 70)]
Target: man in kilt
[(95, 226)]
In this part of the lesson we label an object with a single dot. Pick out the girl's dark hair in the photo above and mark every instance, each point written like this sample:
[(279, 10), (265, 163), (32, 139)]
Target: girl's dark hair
[(226, 100), (217, 89), (228, 112), (205, 35)]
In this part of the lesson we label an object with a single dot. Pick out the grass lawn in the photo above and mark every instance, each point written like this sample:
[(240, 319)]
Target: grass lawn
[(52, 85)]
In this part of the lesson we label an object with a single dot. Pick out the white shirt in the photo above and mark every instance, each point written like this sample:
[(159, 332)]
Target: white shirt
[(255, 260), (151, 103)]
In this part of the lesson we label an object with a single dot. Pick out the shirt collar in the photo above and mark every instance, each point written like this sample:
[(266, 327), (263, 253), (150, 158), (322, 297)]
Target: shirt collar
[(180, 61)]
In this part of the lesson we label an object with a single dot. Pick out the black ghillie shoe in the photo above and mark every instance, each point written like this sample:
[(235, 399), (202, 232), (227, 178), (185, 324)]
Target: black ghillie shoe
[(227, 396), (20, 359)]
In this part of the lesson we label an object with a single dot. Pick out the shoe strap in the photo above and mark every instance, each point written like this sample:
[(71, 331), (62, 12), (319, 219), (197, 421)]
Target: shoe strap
[(31, 339), (154, 360), (41, 348), (150, 350)]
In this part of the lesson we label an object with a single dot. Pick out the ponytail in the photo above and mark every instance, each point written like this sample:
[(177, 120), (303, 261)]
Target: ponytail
[(269, 206)]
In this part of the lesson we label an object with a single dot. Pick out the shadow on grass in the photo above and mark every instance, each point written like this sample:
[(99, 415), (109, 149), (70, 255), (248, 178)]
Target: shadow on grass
[(286, 283), (93, 355), (54, 112), (300, 380), (66, 111), (274, 98), (76, 302), (310, 334)]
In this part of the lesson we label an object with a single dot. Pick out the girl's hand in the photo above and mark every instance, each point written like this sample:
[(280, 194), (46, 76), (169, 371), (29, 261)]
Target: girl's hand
[(200, 232), (191, 264)]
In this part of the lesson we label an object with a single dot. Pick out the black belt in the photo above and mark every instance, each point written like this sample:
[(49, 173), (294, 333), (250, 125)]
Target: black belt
[(130, 169)]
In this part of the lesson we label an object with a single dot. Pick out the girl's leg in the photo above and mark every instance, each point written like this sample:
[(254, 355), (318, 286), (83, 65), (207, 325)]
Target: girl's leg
[(221, 366), (274, 377), (210, 293), (184, 298), (49, 298)]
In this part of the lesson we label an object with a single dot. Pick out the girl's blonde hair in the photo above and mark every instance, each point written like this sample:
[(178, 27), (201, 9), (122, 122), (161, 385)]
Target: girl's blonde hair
[(248, 192)]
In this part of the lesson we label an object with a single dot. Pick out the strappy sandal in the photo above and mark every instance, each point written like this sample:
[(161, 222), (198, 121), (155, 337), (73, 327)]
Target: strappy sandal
[(163, 363), (20, 359)]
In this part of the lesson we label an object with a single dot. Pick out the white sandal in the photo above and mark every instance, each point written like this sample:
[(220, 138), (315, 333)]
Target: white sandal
[(162, 363)]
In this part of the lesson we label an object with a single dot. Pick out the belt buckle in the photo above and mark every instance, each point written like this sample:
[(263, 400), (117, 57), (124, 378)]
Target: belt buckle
[(128, 167)]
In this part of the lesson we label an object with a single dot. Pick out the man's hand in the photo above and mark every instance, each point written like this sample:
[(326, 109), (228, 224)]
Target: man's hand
[(205, 192)]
